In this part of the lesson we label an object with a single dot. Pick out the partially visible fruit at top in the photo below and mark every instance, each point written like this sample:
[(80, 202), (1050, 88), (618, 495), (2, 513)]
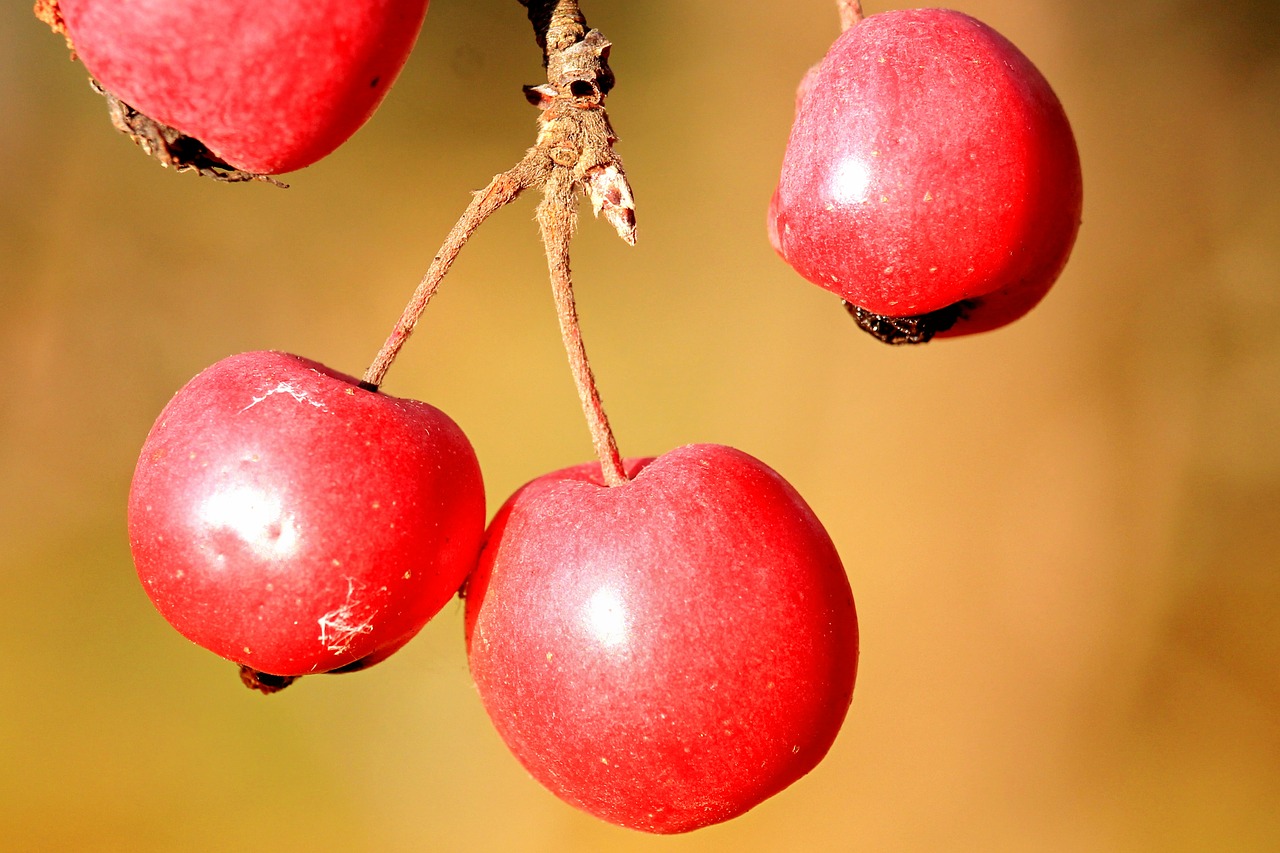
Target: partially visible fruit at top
[(266, 88)]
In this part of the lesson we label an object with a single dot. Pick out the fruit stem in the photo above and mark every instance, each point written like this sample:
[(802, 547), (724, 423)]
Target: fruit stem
[(501, 191), (850, 13), (557, 218)]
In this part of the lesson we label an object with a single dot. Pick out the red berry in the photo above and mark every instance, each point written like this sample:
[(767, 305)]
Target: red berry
[(930, 165), (293, 522), (267, 87), (667, 653)]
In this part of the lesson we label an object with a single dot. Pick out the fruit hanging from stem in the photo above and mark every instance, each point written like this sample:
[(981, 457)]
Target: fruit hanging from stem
[(293, 522), (931, 178), (667, 653)]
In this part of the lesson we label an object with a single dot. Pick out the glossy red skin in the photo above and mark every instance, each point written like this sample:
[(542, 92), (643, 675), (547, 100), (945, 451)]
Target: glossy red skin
[(291, 521), (269, 87), (930, 162), (668, 653)]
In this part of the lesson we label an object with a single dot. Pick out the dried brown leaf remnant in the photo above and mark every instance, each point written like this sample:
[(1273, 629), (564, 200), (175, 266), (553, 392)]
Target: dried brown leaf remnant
[(48, 11), (172, 148)]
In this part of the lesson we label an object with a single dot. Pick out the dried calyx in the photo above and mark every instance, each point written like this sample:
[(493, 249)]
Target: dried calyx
[(172, 148), (915, 329)]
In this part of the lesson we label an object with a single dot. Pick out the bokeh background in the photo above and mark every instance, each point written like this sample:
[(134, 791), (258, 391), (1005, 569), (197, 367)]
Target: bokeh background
[(1062, 536)]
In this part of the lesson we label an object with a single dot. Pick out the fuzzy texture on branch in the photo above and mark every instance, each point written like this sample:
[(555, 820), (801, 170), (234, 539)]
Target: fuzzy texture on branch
[(850, 13)]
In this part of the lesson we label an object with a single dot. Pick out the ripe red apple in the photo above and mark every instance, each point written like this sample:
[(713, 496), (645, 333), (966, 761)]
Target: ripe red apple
[(667, 653), (291, 521), (930, 168), (267, 87)]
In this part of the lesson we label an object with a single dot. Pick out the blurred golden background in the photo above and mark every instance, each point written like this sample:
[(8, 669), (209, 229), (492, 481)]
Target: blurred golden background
[(1062, 536)]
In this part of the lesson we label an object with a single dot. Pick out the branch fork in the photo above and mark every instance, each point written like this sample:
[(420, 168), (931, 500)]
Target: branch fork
[(572, 157)]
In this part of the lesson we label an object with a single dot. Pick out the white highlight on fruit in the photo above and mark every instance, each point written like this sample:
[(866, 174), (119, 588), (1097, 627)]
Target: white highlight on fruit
[(851, 180), (256, 517), (606, 617), (287, 388)]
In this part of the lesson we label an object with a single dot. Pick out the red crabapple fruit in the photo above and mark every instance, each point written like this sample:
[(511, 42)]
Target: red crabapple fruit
[(931, 178), (667, 653), (289, 520), (266, 87)]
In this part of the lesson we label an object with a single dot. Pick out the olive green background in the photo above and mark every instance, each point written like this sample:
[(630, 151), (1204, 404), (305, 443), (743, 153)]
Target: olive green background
[(1062, 536)]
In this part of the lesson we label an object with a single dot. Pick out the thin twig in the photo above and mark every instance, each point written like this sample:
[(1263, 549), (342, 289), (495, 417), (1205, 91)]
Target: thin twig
[(850, 13), (501, 191), (557, 215)]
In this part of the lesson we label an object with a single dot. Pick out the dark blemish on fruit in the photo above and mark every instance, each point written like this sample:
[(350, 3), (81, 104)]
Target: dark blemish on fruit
[(915, 329), (373, 84)]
